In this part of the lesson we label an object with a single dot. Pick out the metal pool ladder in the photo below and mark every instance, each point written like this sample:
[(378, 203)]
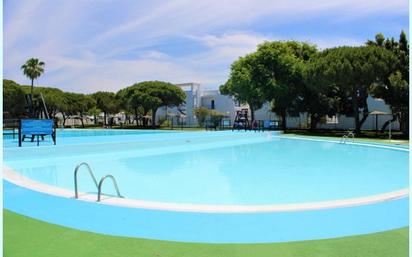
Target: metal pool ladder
[(98, 185), (346, 137)]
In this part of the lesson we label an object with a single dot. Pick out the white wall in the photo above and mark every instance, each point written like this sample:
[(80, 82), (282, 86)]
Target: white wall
[(196, 97), (343, 122), (223, 103)]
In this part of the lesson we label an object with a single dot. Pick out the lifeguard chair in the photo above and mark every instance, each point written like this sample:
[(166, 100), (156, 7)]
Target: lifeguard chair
[(241, 120)]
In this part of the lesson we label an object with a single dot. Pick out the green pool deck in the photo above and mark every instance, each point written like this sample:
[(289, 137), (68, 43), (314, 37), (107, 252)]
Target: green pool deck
[(24, 236)]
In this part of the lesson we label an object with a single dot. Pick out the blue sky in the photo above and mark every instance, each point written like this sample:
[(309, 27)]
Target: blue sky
[(91, 45)]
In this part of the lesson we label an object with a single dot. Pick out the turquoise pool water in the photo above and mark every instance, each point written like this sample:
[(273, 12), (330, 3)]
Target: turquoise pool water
[(212, 168), (228, 168), (81, 136)]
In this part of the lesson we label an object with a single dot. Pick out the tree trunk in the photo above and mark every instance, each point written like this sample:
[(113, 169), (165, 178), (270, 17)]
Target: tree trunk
[(252, 114), (31, 97), (314, 119), (135, 116), (64, 119), (127, 119), (283, 116), (386, 124), (104, 118), (143, 118), (364, 117), (51, 111), (404, 122), (154, 118), (356, 112), (31, 88), (81, 119)]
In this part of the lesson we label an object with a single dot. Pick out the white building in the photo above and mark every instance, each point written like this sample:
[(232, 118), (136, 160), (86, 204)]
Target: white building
[(196, 97)]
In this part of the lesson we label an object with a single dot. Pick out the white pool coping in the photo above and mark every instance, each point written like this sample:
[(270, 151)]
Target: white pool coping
[(14, 177)]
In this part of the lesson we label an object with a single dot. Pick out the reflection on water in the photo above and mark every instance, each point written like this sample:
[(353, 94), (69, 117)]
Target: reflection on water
[(46, 174)]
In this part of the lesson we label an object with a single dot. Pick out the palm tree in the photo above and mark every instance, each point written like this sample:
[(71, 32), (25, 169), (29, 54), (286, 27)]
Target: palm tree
[(33, 68)]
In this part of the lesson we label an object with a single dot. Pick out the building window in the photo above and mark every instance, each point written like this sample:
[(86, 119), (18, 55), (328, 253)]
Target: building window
[(212, 104), (332, 120)]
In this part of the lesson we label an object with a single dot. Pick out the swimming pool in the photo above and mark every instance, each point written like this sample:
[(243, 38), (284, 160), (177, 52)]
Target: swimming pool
[(212, 186)]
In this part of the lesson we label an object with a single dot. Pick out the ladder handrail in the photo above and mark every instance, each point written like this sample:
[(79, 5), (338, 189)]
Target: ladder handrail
[(343, 139), (76, 193), (346, 137), (99, 192)]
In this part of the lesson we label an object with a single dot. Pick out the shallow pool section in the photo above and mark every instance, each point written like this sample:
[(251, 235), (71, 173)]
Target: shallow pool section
[(207, 227), (229, 171), (221, 168)]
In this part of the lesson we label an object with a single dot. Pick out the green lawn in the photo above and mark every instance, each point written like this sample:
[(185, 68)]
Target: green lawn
[(357, 139), (24, 236)]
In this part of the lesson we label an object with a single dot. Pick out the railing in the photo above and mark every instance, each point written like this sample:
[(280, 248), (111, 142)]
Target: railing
[(10, 123), (76, 193), (98, 185), (99, 192), (346, 137), (11, 127)]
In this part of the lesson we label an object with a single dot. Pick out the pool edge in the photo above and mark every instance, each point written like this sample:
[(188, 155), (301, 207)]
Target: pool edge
[(14, 177)]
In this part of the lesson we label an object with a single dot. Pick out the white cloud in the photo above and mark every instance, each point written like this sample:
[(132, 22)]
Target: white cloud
[(153, 55), (187, 16), (84, 42)]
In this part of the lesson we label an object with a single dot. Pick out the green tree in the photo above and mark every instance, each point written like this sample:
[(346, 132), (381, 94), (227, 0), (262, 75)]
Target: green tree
[(379, 40), (53, 97), (216, 118), (77, 105), (146, 103), (201, 114), (95, 112), (13, 99), (127, 103), (150, 95), (33, 68), (395, 92), (280, 74), (316, 98), (396, 95), (242, 85), (107, 102), (123, 97), (354, 70)]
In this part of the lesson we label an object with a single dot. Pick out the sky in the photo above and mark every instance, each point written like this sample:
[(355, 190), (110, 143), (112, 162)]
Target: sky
[(106, 45)]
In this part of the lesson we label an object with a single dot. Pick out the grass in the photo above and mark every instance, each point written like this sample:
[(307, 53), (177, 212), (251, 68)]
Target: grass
[(362, 139), (25, 236)]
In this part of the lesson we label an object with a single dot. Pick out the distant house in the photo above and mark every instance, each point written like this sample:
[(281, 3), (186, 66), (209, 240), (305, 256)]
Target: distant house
[(196, 97)]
